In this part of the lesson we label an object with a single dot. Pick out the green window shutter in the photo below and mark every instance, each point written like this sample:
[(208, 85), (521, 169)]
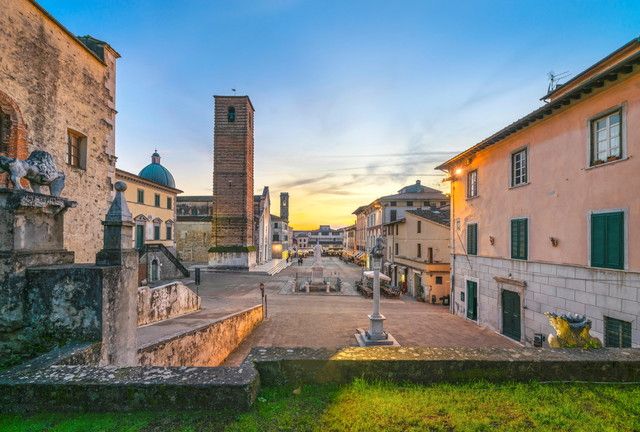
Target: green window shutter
[(615, 240), (472, 239), (607, 240), (519, 239)]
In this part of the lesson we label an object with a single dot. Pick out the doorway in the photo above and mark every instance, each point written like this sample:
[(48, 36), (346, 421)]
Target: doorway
[(472, 300), (155, 270), (511, 314), (139, 236)]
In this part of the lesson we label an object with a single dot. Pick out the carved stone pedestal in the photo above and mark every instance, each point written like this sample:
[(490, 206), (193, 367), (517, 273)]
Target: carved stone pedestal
[(31, 234)]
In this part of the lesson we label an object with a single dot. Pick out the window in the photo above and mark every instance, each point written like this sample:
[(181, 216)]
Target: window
[(430, 255), (519, 168), (617, 333), (275, 224), (276, 237), (397, 229), (607, 240), (393, 215), (231, 114), (169, 232), (156, 200), (156, 232), (396, 249), (472, 239), (419, 227), (5, 131), (169, 203), (426, 203), (419, 250), (76, 149), (606, 138), (140, 196), (438, 280), (393, 203), (409, 203), (519, 239), (472, 184)]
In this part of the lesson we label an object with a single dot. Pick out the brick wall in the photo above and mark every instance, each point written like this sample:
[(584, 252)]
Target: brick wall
[(51, 83), (233, 172)]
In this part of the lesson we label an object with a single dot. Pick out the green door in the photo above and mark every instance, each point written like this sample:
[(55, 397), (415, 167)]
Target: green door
[(472, 300), (511, 314), (139, 236)]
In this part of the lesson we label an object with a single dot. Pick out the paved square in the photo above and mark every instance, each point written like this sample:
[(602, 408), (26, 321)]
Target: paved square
[(320, 320)]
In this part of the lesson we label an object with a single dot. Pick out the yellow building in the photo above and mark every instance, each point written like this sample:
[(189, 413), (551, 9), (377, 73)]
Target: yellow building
[(417, 253), (151, 197)]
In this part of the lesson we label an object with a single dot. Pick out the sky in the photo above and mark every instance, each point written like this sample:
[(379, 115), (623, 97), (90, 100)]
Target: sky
[(353, 99)]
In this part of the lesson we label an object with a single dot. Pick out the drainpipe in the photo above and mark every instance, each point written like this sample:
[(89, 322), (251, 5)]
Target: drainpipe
[(453, 248)]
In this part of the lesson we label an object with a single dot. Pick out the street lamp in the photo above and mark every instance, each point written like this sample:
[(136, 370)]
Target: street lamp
[(376, 335)]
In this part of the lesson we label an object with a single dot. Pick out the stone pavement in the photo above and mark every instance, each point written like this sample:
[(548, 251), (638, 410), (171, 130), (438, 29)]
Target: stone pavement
[(321, 320)]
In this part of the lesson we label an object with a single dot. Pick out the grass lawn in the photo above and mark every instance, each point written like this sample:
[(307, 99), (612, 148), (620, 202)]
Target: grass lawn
[(364, 406)]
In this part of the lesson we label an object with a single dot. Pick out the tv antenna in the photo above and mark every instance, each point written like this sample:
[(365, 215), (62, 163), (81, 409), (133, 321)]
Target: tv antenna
[(234, 91), (555, 78)]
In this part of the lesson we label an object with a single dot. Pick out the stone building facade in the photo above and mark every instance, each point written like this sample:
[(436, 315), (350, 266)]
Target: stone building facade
[(417, 254), (193, 227), (57, 93), (232, 226), (545, 211), (262, 226)]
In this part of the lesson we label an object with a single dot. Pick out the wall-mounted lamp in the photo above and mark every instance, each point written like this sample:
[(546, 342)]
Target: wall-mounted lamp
[(554, 241), (492, 240)]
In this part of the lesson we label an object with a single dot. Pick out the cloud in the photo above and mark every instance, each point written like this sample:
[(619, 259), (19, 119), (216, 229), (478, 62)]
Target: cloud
[(303, 181)]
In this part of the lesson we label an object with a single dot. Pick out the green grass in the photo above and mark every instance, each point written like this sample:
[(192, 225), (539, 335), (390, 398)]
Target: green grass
[(364, 406)]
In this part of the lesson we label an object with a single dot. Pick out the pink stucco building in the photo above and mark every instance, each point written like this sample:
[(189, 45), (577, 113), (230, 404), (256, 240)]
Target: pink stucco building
[(546, 212)]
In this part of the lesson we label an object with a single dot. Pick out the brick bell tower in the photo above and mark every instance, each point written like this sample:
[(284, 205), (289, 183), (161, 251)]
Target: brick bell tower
[(232, 223)]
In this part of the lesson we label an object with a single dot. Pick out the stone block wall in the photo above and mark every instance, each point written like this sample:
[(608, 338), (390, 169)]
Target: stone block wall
[(193, 240), (208, 345), (165, 301), (549, 288), (52, 83)]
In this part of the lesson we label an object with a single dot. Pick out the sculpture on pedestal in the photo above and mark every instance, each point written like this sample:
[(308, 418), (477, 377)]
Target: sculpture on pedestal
[(572, 331), (39, 169)]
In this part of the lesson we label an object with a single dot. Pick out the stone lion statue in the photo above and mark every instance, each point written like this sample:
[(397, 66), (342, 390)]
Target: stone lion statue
[(39, 169), (572, 331)]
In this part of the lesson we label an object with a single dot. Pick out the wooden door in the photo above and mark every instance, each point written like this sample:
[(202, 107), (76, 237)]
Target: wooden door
[(472, 300), (511, 314)]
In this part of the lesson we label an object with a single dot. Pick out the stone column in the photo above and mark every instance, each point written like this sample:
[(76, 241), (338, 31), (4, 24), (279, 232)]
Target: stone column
[(376, 334), (120, 286)]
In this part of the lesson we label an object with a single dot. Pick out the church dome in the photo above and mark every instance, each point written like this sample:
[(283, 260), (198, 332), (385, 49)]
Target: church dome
[(157, 173)]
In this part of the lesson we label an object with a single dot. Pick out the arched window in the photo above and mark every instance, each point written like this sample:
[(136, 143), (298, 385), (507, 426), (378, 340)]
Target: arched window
[(5, 130), (231, 114)]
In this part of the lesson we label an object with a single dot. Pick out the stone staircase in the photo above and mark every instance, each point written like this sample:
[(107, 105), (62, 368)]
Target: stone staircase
[(270, 268)]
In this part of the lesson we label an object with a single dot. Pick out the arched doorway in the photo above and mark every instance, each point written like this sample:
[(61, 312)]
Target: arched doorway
[(13, 132), (155, 270)]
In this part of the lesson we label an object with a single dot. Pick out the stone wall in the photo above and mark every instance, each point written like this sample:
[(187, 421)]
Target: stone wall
[(166, 268), (549, 288), (208, 345), (53, 83), (298, 366), (165, 301), (193, 240)]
